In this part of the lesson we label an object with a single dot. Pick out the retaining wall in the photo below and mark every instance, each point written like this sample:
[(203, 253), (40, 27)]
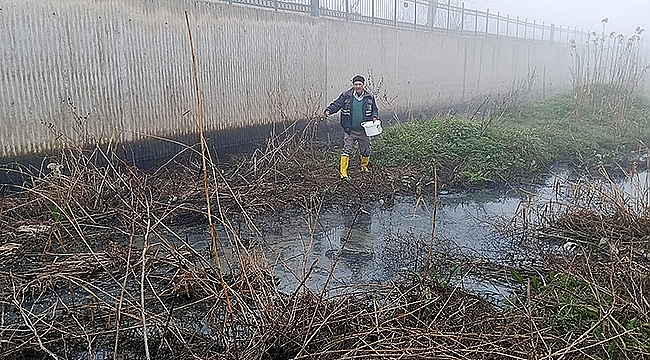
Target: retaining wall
[(122, 69)]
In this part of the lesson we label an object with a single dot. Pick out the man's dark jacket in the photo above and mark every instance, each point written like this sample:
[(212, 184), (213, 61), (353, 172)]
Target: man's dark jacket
[(344, 103)]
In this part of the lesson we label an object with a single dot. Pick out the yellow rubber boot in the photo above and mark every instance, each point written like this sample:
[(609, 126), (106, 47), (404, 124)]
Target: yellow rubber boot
[(345, 160), (365, 160)]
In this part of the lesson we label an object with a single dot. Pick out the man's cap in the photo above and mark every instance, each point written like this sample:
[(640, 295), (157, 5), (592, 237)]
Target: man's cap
[(358, 78)]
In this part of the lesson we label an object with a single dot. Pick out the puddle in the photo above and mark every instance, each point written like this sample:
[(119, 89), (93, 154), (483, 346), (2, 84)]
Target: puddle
[(369, 244), (376, 243)]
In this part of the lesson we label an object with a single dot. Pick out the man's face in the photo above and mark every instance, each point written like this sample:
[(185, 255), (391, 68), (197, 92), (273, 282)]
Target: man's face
[(358, 86)]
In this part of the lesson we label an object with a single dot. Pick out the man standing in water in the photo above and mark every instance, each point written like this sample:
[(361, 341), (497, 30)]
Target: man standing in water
[(357, 106)]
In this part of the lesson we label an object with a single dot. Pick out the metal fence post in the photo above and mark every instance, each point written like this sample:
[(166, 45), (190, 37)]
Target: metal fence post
[(431, 15), (314, 8), (526, 28), (475, 22), (487, 21), (552, 35), (498, 18), (507, 25), (394, 14), (415, 15), (448, 15), (517, 28), (347, 9), (432, 11), (373, 11), (534, 28), (462, 18)]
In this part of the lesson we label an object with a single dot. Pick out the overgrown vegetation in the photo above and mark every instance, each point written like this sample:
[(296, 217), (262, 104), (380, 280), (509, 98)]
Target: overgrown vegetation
[(95, 263), (600, 121), (607, 75), (595, 290), (519, 143)]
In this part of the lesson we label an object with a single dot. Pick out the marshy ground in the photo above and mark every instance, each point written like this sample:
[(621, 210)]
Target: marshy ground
[(95, 264)]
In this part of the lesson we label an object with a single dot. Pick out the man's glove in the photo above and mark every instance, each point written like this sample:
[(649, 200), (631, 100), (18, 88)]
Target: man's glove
[(347, 130), (326, 113)]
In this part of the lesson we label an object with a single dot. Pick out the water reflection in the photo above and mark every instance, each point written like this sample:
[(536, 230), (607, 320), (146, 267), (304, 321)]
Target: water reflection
[(344, 245), (373, 244)]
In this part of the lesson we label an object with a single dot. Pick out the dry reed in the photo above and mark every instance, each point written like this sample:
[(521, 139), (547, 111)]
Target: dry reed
[(95, 258)]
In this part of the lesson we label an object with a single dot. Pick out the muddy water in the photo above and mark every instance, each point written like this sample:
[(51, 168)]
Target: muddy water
[(376, 242), (372, 243)]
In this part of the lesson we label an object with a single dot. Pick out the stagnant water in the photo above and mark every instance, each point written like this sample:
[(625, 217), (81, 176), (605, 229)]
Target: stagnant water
[(376, 242)]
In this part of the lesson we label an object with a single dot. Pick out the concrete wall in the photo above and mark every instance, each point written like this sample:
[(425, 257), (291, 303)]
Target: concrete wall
[(122, 69)]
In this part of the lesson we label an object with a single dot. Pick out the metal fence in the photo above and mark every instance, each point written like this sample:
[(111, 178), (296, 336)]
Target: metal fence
[(429, 15)]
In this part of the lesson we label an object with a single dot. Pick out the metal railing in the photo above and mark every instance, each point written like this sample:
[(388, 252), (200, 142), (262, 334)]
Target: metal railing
[(429, 15)]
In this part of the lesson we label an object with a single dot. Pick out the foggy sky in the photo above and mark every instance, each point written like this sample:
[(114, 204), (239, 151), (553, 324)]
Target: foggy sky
[(624, 15)]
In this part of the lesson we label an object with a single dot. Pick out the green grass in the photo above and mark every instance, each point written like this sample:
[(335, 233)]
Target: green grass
[(518, 143), (573, 307)]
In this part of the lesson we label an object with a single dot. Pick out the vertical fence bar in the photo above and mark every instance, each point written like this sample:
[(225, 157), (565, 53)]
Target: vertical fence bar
[(395, 14), (315, 11), (526, 28), (415, 15), (372, 10), (487, 21), (475, 22), (462, 17), (498, 18), (517, 28), (508, 25), (448, 15), (431, 13), (347, 9), (534, 28), (552, 35)]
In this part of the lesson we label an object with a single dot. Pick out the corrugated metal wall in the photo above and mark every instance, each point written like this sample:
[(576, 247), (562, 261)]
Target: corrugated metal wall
[(122, 68)]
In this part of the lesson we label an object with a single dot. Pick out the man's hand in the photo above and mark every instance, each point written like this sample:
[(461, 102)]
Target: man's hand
[(347, 130), (374, 119), (326, 112)]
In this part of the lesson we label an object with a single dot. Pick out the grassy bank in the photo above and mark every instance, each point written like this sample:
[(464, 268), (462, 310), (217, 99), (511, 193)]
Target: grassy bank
[(515, 144)]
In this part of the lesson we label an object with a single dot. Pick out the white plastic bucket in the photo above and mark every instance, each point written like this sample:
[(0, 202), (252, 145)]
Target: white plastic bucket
[(372, 128)]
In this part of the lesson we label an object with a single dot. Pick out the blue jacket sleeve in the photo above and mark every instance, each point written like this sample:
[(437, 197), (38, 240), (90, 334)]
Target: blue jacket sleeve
[(336, 105)]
